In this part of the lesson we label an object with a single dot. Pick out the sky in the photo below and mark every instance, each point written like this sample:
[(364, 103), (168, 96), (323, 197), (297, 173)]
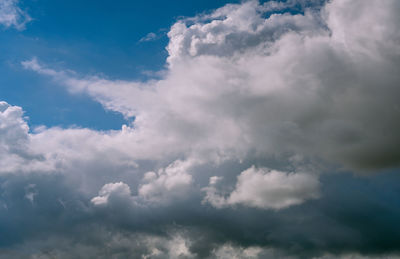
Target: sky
[(92, 38), (200, 129)]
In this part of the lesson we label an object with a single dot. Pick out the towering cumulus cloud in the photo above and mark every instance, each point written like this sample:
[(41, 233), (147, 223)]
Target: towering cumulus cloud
[(322, 83), (238, 151)]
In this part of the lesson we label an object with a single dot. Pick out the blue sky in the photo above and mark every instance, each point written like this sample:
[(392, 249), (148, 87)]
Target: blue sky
[(101, 37)]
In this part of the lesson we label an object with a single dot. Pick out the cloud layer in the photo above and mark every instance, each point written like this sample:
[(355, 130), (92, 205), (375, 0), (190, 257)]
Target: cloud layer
[(246, 87)]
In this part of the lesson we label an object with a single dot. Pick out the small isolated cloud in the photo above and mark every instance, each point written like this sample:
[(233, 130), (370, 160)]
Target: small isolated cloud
[(31, 192), (11, 15), (151, 36), (266, 189)]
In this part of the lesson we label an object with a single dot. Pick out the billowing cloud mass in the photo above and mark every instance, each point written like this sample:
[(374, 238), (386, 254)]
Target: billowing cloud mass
[(12, 16), (307, 94), (303, 84)]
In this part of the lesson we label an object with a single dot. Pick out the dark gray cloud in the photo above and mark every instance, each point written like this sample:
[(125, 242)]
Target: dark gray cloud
[(353, 216)]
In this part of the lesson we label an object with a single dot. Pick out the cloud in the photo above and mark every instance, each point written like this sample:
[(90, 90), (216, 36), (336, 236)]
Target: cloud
[(266, 189), (112, 190), (168, 185), (228, 251), (30, 192), (14, 129), (227, 31), (244, 85), (286, 84), (125, 245), (173, 182), (12, 16), (63, 222), (16, 152), (151, 36)]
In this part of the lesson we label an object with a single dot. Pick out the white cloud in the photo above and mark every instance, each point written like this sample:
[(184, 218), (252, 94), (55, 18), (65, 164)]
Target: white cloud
[(273, 189), (229, 251), (266, 189), (14, 129), (286, 84), (118, 190), (16, 152), (151, 36), (213, 196), (232, 252), (234, 29), (167, 185), (12, 16), (170, 183)]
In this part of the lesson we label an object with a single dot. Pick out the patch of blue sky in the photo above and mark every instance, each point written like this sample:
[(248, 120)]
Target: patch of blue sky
[(91, 38)]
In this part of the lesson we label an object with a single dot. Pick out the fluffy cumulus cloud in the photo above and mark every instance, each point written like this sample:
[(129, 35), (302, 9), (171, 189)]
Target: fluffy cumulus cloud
[(14, 130), (263, 188), (320, 84), (12, 16), (16, 152), (120, 190), (168, 184), (172, 182), (246, 87)]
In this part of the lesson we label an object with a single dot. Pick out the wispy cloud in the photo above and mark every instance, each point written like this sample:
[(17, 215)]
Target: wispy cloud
[(11, 15), (151, 36)]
